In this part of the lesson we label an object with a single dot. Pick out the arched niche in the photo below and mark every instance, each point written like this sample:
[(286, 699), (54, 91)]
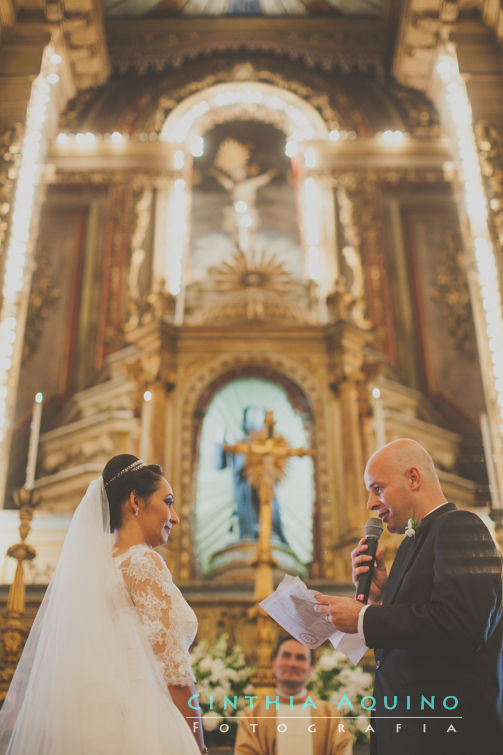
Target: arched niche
[(304, 393), (244, 100), (226, 506), (186, 230)]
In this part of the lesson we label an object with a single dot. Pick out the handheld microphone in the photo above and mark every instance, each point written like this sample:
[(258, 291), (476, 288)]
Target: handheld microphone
[(373, 530)]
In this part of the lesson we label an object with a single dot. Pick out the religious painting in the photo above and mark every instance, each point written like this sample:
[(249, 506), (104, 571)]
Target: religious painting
[(443, 313), (227, 507), (54, 301), (244, 199)]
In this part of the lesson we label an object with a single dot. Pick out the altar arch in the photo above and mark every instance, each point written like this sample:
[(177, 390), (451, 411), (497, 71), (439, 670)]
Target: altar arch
[(311, 208)]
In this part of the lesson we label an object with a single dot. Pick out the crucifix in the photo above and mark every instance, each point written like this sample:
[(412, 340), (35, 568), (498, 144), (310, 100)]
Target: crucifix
[(266, 455)]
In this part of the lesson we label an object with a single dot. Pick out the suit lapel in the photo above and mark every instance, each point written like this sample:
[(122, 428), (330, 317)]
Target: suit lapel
[(409, 548), (400, 564)]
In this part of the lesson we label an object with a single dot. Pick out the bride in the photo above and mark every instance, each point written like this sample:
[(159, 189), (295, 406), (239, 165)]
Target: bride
[(106, 669)]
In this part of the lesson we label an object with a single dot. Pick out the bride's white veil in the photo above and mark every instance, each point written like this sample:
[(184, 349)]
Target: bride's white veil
[(87, 682)]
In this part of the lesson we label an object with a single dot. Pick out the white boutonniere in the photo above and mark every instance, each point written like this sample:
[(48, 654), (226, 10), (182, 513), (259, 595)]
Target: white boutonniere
[(412, 527)]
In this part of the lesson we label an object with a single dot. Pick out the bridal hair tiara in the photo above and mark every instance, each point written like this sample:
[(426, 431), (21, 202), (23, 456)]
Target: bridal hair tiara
[(138, 464)]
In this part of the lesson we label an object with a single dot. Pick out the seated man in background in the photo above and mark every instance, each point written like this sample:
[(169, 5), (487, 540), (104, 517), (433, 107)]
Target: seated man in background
[(303, 730)]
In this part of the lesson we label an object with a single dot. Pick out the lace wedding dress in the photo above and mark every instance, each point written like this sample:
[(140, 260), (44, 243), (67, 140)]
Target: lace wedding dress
[(109, 635), (170, 623)]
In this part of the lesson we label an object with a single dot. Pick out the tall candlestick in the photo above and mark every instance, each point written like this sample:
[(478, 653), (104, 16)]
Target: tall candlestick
[(146, 416), (491, 471), (379, 429), (31, 463)]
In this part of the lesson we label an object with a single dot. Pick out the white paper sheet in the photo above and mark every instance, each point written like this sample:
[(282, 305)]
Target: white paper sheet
[(291, 605)]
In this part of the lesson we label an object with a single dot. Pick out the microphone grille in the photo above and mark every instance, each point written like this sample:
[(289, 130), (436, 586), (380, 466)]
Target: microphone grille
[(373, 528)]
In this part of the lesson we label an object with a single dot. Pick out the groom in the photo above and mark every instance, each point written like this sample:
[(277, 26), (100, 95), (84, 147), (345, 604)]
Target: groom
[(435, 622)]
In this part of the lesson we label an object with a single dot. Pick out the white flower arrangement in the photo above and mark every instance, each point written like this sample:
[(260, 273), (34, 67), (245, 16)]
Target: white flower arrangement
[(335, 676), (221, 673)]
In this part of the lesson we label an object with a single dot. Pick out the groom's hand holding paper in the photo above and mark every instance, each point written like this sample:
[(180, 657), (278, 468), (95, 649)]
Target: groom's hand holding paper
[(341, 612), (294, 607)]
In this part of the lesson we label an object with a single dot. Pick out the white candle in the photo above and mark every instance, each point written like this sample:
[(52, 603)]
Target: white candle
[(31, 464), (488, 453), (146, 416), (379, 429)]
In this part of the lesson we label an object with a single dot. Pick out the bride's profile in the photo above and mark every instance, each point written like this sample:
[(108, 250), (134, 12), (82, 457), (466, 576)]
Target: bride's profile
[(106, 669)]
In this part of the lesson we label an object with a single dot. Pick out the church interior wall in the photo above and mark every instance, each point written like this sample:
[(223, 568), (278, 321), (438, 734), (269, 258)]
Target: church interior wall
[(102, 327), (104, 288), (434, 336)]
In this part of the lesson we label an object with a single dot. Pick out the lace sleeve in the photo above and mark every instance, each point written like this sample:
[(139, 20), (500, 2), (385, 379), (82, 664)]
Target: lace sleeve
[(156, 599)]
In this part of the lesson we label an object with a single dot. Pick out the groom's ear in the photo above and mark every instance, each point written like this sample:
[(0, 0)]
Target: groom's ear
[(413, 478)]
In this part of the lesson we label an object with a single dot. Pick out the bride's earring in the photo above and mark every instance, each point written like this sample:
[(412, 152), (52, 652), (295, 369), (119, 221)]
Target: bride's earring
[(137, 510)]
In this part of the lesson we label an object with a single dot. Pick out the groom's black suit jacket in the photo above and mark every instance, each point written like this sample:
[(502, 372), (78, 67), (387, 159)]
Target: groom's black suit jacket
[(439, 633)]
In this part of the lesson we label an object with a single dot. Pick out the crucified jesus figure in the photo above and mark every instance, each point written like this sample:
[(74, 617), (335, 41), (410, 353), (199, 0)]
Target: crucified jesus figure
[(241, 217)]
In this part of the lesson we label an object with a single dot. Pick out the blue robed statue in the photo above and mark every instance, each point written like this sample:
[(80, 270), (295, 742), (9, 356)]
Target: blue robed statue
[(246, 497)]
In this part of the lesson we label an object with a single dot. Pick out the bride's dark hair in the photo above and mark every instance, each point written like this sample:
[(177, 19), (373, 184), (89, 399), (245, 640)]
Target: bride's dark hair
[(144, 480)]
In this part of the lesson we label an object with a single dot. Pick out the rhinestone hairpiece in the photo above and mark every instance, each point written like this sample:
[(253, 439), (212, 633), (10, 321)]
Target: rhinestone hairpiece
[(138, 464)]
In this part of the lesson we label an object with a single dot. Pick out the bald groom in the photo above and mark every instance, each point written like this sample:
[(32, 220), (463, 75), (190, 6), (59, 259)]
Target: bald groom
[(435, 622)]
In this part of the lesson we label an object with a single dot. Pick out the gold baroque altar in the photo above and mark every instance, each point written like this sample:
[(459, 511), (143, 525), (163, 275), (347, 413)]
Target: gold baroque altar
[(365, 322)]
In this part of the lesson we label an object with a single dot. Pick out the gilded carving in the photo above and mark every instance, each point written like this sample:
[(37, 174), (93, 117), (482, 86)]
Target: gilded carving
[(254, 287), (143, 211), (364, 223), (144, 375), (133, 179), (156, 365), (143, 208), (419, 114), (157, 305), (312, 47), (157, 108), (43, 294), (490, 145), (10, 150), (115, 266), (318, 99), (417, 44), (452, 293), (411, 176), (85, 40), (348, 300), (392, 177), (359, 195), (70, 117)]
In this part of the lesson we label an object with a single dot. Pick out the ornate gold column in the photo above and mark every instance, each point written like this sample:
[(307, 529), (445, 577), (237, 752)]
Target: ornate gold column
[(489, 136), (10, 146), (469, 73), (345, 344), (155, 371), (20, 61), (489, 139)]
